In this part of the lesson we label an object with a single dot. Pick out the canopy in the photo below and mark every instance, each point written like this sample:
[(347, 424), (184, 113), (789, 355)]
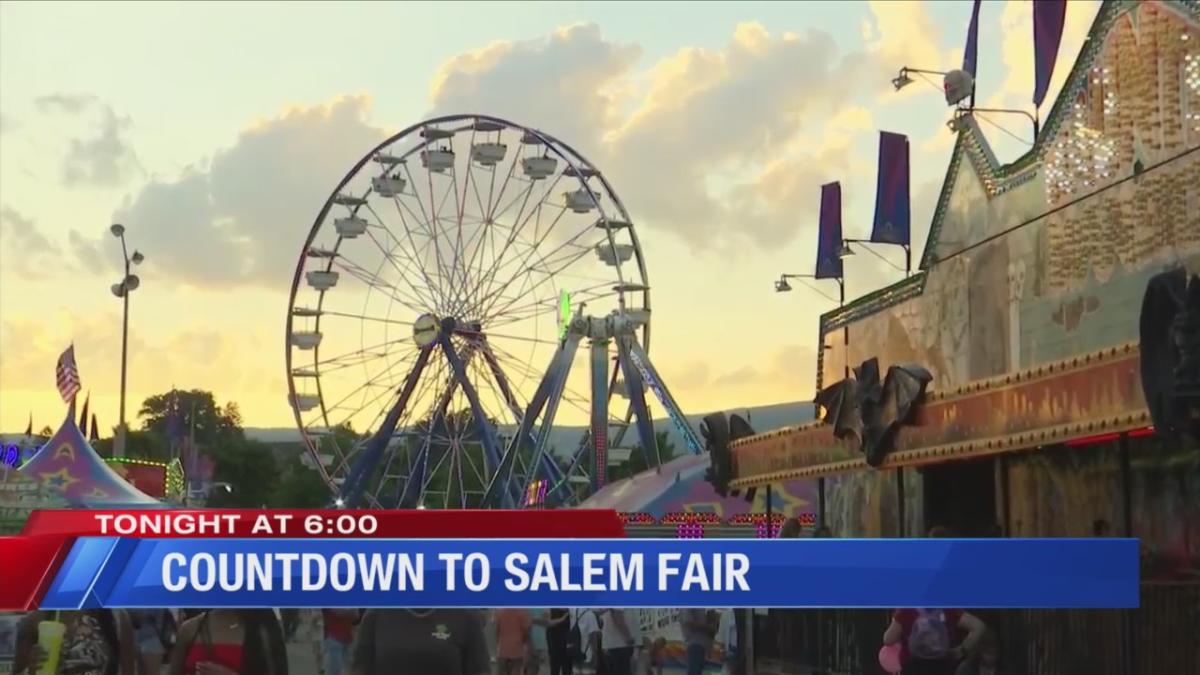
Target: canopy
[(68, 465), (680, 487)]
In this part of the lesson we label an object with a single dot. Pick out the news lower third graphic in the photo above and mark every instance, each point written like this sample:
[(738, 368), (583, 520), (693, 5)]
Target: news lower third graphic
[(388, 559)]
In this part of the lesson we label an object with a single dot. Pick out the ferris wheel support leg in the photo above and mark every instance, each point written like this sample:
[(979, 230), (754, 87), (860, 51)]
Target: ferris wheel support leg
[(549, 389), (368, 461), (599, 413), (549, 468), (413, 491), (556, 393), (487, 433), (635, 387), (641, 361)]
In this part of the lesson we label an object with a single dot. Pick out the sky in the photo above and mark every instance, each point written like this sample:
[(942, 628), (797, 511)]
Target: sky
[(215, 132)]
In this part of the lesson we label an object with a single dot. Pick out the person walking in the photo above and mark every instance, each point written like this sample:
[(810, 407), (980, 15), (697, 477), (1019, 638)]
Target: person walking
[(153, 629), (926, 638), (513, 627), (538, 641), (558, 642), (338, 629), (230, 642), (591, 656), (727, 638), (419, 642), (696, 637), (621, 634), (93, 641)]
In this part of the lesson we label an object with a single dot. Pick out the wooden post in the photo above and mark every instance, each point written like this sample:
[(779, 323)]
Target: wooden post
[(900, 526), (821, 502), (1129, 637), (769, 513)]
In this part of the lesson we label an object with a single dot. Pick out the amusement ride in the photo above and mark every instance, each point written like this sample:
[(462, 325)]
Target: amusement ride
[(437, 311)]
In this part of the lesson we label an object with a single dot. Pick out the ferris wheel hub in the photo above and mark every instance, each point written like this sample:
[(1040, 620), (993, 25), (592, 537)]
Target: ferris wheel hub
[(425, 330)]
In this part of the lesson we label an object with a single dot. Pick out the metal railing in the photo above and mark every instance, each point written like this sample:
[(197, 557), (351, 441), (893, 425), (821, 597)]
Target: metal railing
[(1156, 639)]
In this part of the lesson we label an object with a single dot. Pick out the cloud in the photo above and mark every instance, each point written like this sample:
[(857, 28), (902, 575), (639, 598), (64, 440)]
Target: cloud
[(1016, 27), (904, 34), (103, 159), (72, 104), (789, 373), (23, 247), (565, 84), (240, 217), (189, 355), (714, 138)]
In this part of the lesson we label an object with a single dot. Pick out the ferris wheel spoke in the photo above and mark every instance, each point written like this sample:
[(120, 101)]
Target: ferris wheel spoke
[(518, 226), (501, 310), (460, 207), (430, 220), (360, 353), (435, 290), (525, 267), (391, 258), (373, 281), (365, 317), (374, 381)]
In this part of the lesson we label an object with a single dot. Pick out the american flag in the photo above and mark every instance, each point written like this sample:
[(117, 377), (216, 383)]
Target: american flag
[(68, 375)]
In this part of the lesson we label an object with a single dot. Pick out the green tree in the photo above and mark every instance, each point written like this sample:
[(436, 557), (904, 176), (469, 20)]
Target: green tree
[(300, 487), (637, 459), (198, 412), (139, 444), (250, 469)]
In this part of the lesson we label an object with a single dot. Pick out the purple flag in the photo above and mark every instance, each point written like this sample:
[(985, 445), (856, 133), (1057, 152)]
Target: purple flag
[(892, 207), (1049, 16), (174, 421), (829, 233), (971, 53)]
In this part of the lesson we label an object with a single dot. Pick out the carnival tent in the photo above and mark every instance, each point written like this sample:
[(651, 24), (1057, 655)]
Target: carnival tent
[(68, 465), (680, 487)]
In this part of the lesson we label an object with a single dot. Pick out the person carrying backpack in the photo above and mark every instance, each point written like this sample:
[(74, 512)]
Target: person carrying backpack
[(927, 639), (586, 637)]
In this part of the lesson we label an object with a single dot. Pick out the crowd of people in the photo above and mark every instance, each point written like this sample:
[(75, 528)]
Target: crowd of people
[(449, 642), (371, 642)]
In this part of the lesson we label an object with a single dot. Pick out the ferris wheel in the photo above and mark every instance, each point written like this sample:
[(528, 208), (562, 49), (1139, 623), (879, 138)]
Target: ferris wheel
[(432, 294)]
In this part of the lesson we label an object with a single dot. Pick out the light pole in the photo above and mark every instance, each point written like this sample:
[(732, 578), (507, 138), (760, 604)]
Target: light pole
[(782, 286), (847, 251), (955, 123), (128, 284)]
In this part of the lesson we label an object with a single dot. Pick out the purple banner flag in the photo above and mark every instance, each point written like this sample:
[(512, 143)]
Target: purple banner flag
[(1049, 16), (971, 53), (829, 231), (892, 206)]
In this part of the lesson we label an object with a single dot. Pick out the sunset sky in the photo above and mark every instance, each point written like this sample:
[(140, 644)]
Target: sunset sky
[(193, 124)]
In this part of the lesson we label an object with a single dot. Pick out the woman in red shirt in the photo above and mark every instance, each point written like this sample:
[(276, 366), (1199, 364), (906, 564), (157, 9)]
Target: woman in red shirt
[(230, 642), (927, 638)]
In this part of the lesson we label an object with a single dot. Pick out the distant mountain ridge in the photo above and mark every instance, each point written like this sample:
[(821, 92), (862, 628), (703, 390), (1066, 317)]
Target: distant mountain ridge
[(565, 438)]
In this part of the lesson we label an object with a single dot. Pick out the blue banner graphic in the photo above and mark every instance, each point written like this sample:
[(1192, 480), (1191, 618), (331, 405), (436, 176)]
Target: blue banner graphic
[(1049, 17), (829, 233), (892, 207), (1001, 573), (971, 52)]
